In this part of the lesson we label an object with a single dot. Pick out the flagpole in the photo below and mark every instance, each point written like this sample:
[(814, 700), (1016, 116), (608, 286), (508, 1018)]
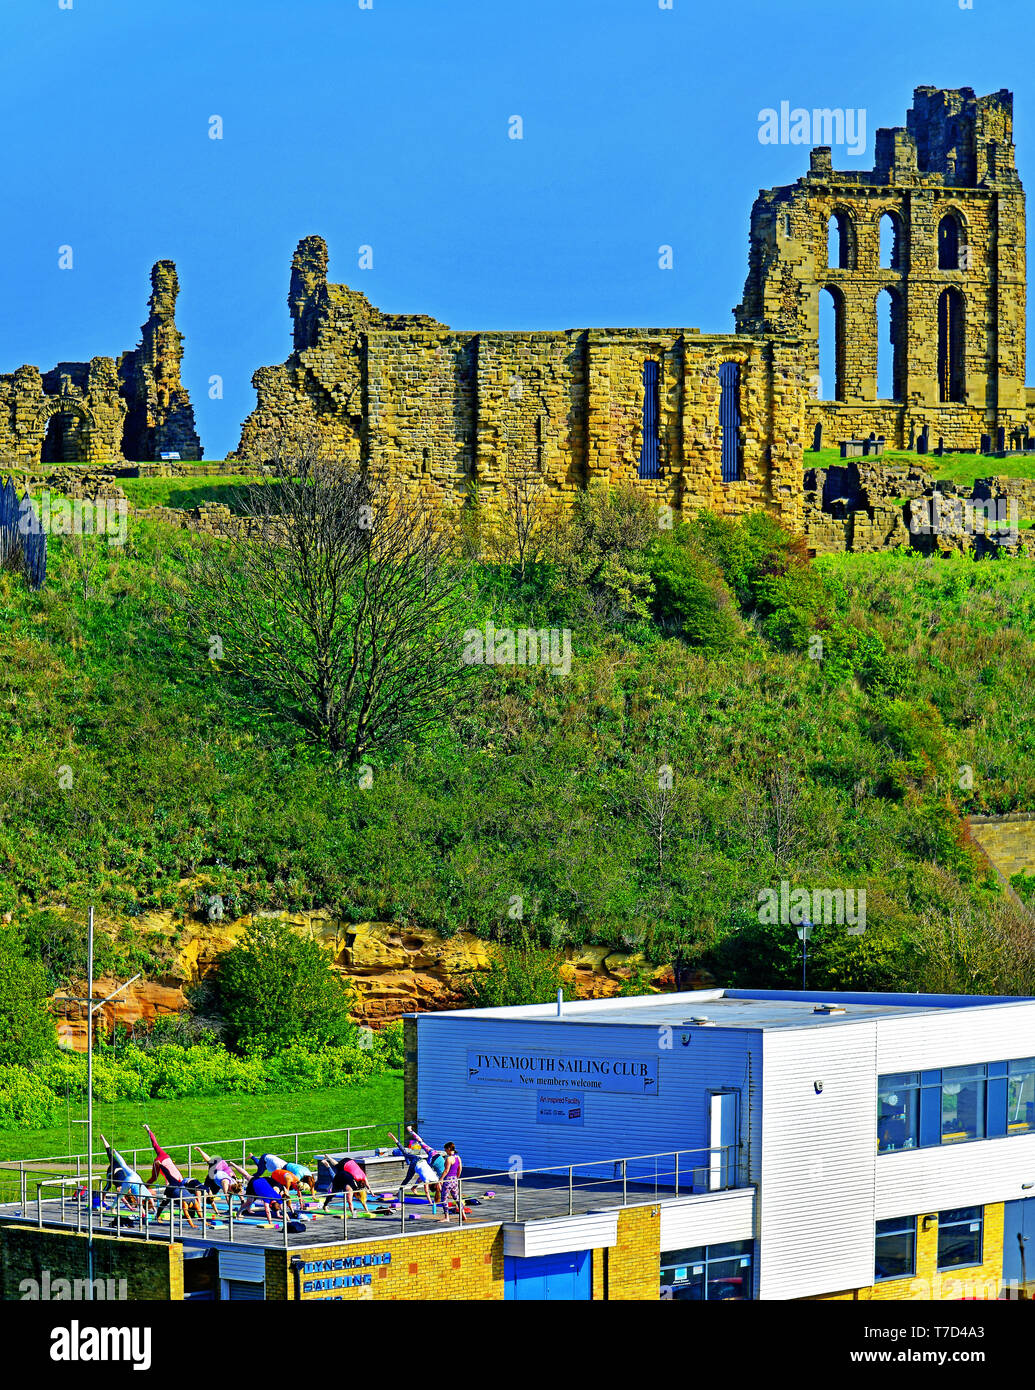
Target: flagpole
[(89, 1108)]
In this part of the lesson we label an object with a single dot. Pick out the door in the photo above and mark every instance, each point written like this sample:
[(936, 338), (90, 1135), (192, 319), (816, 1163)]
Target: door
[(546, 1278), (723, 1139), (1019, 1243)]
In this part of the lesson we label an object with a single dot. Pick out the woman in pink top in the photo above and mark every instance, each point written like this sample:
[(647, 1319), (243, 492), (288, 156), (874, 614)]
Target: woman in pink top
[(349, 1177), (451, 1180)]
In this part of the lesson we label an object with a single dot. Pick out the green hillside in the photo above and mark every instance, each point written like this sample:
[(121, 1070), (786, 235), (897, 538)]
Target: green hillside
[(130, 761)]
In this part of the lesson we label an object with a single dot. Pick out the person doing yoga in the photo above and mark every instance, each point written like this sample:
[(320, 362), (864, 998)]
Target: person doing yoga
[(348, 1177)]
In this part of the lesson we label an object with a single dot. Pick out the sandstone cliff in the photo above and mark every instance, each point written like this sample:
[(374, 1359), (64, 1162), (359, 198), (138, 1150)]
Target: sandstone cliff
[(393, 970)]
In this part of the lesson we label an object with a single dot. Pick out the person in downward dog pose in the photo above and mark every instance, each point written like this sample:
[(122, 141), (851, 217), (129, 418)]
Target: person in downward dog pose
[(222, 1175), (306, 1177), (264, 1190), (132, 1189), (349, 1178), (163, 1166)]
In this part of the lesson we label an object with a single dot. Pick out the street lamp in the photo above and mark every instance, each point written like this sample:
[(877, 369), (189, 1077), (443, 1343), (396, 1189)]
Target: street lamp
[(804, 933)]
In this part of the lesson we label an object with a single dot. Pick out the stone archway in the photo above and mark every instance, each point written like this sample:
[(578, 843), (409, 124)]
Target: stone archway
[(66, 434)]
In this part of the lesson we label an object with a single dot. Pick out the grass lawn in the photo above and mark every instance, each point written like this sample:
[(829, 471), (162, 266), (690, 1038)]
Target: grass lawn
[(378, 1099), (183, 493)]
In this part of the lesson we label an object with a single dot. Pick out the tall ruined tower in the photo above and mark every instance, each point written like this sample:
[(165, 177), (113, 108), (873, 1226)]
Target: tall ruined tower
[(160, 416), (949, 288)]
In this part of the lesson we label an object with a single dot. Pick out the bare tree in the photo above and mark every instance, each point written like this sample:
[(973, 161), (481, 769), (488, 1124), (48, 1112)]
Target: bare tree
[(524, 493), (338, 598)]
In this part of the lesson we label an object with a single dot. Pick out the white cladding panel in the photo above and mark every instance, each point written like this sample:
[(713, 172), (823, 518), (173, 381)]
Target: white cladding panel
[(562, 1235), (915, 1182), (712, 1219), (955, 1037), (818, 1151), (495, 1125)]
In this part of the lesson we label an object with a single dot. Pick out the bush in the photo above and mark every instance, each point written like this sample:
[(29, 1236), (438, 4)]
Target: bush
[(32, 1099), (26, 1029), (275, 988), (691, 597), (25, 1100)]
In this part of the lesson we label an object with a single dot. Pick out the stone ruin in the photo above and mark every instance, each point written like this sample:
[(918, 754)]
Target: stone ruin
[(691, 419), (106, 410), (948, 192)]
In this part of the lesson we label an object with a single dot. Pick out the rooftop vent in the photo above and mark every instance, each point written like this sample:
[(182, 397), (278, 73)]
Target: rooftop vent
[(829, 1009), (700, 1022)]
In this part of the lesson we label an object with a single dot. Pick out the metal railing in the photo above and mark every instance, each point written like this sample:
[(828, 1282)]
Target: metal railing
[(531, 1194), (14, 1172)]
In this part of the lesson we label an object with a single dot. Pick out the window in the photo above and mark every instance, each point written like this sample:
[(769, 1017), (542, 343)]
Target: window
[(649, 451), (831, 344), (960, 1237), (729, 419), (952, 384), (890, 236), (988, 1100), (709, 1273), (841, 242), (890, 338), (963, 1103), (898, 1111), (950, 242), (1020, 1096), (895, 1248)]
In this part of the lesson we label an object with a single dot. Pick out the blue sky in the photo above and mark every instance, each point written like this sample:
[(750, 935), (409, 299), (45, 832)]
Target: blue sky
[(388, 127)]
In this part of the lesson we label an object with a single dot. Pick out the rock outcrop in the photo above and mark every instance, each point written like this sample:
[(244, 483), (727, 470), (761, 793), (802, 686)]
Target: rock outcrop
[(393, 970)]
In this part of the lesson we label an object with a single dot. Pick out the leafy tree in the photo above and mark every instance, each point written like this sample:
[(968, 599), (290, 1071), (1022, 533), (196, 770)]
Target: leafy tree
[(26, 1028), (275, 988)]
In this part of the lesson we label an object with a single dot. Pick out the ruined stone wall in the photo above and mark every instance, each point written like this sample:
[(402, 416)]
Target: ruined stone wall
[(956, 156), (100, 411), (74, 413), (449, 413), (858, 506), (160, 416)]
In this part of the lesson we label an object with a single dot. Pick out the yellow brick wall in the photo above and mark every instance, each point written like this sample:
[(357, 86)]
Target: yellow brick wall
[(447, 414), (444, 1265), (981, 1281), (468, 1264), (631, 1270)]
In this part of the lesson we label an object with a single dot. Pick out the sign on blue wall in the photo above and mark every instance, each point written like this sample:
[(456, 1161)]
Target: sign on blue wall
[(560, 1108), (627, 1075)]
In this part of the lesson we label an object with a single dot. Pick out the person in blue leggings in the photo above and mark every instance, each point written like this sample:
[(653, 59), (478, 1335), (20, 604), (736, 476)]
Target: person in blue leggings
[(270, 1194)]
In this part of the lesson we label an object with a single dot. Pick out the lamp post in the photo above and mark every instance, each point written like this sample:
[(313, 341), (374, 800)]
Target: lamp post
[(804, 933)]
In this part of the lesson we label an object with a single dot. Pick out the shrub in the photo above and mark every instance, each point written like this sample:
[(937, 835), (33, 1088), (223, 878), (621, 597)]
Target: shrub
[(26, 1030), (25, 1100), (523, 973), (691, 597), (276, 988)]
